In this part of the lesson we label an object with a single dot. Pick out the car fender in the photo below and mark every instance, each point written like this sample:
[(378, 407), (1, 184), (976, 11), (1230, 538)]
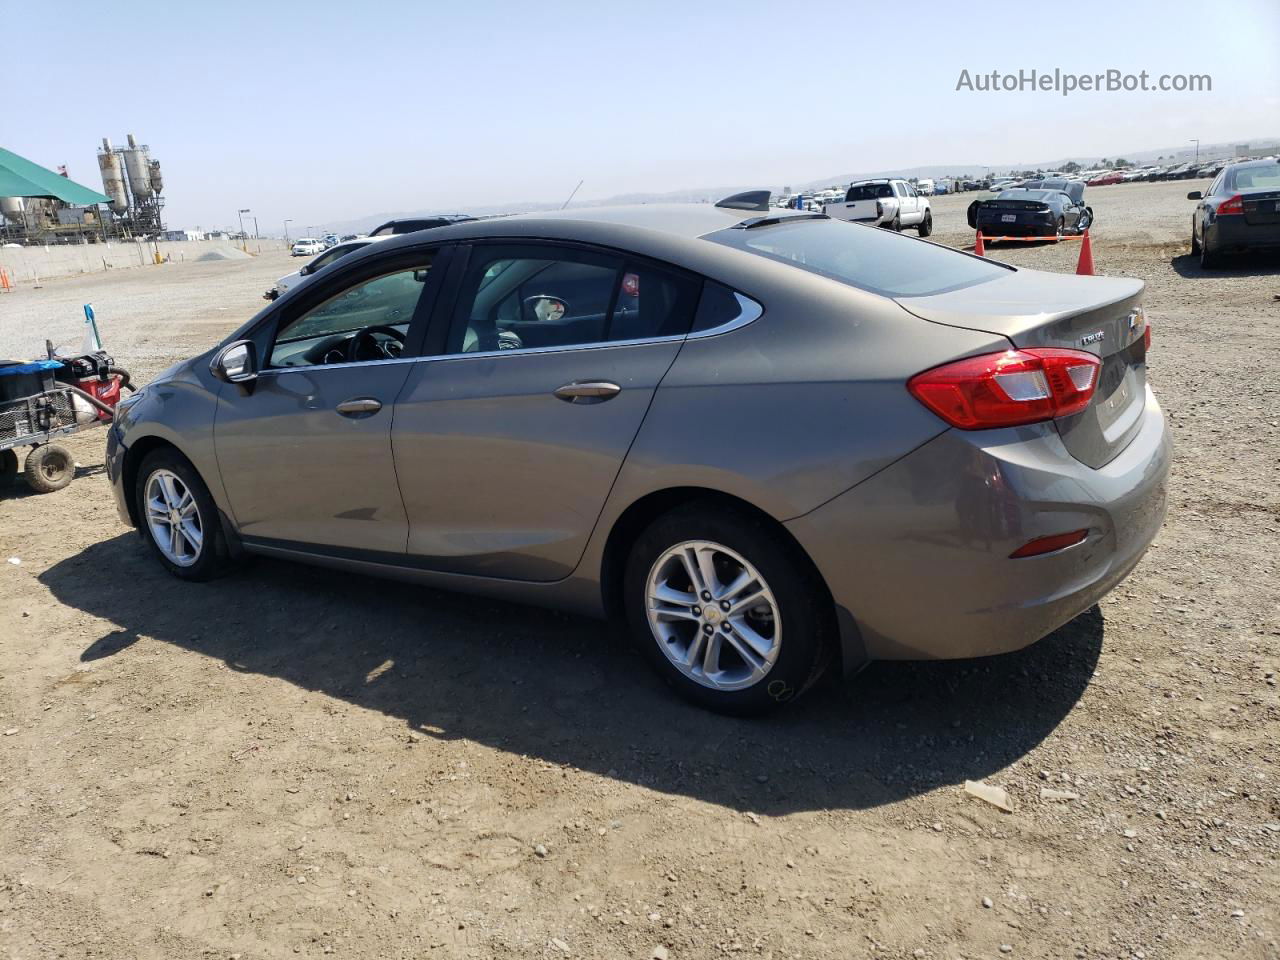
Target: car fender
[(179, 408)]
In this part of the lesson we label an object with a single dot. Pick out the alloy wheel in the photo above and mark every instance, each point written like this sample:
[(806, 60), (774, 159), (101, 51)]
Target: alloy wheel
[(174, 518), (713, 615)]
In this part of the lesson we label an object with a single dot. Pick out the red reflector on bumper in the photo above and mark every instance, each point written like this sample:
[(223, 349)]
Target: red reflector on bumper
[(1057, 541)]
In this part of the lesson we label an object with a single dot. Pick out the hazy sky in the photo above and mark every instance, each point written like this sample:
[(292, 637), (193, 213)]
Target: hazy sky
[(325, 111)]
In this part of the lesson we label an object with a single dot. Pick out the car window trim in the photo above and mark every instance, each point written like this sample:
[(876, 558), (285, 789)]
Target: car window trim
[(343, 277), (750, 311), (436, 338)]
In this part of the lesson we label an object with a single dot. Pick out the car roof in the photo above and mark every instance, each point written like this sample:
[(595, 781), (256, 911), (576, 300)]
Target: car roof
[(689, 220), (1247, 164)]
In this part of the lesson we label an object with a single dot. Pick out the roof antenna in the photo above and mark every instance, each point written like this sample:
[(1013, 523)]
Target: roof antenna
[(574, 194)]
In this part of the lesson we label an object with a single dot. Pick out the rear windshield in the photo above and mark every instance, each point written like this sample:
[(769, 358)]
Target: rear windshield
[(1249, 178), (1026, 194), (868, 191), (872, 259)]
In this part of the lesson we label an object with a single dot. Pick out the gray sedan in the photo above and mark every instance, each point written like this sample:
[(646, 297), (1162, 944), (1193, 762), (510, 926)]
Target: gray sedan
[(770, 443)]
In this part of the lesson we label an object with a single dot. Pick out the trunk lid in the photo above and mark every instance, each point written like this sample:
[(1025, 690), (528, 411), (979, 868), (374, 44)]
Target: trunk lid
[(1261, 207), (1098, 314)]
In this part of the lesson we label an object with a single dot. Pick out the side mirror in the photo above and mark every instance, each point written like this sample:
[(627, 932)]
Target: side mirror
[(1195, 195), (305, 271), (236, 363), (546, 308)]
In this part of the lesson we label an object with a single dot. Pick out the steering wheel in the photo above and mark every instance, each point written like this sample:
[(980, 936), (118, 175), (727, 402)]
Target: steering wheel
[(363, 343)]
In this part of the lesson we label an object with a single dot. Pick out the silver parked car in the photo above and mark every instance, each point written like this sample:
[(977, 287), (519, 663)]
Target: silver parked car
[(773, 443)]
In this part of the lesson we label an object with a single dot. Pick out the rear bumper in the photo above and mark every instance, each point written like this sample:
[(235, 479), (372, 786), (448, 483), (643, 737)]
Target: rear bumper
[(917, 557), (1233, 232), (993, 228)]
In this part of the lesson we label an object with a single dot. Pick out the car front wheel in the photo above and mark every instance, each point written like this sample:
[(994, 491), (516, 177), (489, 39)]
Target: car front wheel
[(727, 609), (178, 517)]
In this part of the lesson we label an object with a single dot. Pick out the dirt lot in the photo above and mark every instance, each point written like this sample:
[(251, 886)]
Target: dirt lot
[(292, 761)]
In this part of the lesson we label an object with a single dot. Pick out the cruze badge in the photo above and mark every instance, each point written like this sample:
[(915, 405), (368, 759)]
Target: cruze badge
[(1094, 337)]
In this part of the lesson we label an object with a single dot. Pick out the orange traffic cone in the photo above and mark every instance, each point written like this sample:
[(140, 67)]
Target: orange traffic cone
[(978, 248), (1085, 265)]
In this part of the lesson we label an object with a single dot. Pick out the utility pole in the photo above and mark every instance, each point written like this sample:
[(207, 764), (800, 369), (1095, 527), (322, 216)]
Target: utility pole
[(243, 241), (286, 230)]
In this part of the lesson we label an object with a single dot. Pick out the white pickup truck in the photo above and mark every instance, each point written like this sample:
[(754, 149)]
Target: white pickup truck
[(885, 203)]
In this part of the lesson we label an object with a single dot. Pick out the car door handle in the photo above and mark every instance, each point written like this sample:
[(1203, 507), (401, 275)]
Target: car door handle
[(588, 391), (359, 407)]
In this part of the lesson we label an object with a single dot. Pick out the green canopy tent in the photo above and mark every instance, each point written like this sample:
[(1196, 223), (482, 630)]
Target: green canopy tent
[(20, 177)]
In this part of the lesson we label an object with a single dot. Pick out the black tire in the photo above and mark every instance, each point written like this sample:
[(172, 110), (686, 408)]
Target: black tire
[(213, 559), (1061, 230), (8, 468), (896, 226), (1195, 240), (49, 467), (926, 225), (804, 606), (1209, 258)]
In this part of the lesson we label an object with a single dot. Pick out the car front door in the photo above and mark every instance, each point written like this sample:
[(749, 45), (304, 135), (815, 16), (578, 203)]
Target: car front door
[(508, 439), (305, 455), (909, 206)]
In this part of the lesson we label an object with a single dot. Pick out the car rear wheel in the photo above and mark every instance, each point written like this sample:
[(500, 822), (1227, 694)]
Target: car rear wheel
[(727, 610), (1209, 258), (178, 517), (926, 225), (1195, 240), (49, 467)]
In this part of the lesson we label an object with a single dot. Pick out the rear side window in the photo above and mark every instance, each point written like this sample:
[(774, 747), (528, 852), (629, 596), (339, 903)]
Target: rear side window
[(540, 297), (865, 257)]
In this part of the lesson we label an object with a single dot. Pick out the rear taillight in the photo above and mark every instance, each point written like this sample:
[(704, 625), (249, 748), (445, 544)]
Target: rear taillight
[(1010, 388), (1146, 338), (1231, 205)]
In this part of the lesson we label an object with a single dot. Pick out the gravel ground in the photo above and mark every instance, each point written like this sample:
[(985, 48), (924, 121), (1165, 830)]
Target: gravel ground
[(293, 761)]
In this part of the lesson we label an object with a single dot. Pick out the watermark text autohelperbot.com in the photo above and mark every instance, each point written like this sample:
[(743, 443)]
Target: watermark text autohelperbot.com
[(1064, 83)]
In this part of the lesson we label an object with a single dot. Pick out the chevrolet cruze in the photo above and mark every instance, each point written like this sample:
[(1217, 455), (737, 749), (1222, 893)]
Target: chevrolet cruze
[(770, 443)]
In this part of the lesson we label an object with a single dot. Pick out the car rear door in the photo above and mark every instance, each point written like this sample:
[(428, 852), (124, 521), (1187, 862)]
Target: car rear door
[(305, 454), (508, 439)]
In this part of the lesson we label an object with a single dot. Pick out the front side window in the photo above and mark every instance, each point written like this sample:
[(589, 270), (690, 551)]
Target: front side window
[(536, 297), (334, 253), (368, 320)]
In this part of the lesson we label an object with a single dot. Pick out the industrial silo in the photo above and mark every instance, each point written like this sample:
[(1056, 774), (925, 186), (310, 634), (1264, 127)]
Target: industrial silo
[(137, 164), (11, 207), (157, 181), (112, 177)]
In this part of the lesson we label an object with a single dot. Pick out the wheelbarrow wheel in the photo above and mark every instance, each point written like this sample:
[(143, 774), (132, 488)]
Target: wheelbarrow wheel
[(8, 467), (49, 467)]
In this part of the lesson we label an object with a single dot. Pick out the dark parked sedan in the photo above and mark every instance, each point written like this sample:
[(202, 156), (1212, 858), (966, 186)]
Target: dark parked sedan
[(1240, 211), (769, 442), (1042, 208)]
